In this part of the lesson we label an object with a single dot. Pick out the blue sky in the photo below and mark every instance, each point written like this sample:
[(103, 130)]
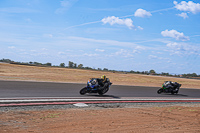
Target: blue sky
[(137, 35)]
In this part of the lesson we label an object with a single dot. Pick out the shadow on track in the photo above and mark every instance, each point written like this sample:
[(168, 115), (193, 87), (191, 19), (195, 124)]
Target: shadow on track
[(179, 95), (105, 96)]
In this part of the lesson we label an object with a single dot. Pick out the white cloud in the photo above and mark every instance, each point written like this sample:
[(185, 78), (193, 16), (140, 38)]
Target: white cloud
[(124, 53), (182, 48), (175, 46), (11, 47), (33, 50), (157, 57), (142, 13), (175, 34), (152, 57), (116, 20), (65, 5), (140, 48), (90, 55), (139, 27), (72, 50), (44, 49), (99, 50), (61, 53), (183, 14), (187, 6), (82, 24), (48, 35), (137, 49), (90, 42)]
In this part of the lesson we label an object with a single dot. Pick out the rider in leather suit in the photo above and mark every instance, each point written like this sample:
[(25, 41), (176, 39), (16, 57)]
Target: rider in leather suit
[(103, 81)]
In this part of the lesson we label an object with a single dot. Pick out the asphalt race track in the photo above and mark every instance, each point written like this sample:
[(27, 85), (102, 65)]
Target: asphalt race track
[(23, 89)]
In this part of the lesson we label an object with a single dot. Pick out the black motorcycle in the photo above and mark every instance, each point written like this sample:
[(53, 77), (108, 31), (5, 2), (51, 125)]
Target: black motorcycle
[(169, 87), (94, 86)]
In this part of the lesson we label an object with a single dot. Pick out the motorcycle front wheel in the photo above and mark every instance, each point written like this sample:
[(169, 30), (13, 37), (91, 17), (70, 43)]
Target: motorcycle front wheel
[(83, 91), (160, 91)]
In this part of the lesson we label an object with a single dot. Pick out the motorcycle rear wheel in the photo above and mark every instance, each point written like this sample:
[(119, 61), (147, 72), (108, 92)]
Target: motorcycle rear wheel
[(83, 91), (175, 92), (103, 91)]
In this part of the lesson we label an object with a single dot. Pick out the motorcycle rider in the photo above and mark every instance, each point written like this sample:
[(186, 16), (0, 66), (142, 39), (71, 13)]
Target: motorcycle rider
[(172, 85), (103, 81), (169, 87), (168, 84)]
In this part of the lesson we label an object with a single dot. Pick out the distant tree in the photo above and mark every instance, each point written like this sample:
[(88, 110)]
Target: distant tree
[(88, 68), (132, 71), (142, 72), (105, 69), (62, 64), (75, 65), (138, 72), (152, 71), (37, 63), (146, 72), (99, 69), (6, 60), (80, 66), (48, 64), (167, 74), (194, 75), (71, 64)]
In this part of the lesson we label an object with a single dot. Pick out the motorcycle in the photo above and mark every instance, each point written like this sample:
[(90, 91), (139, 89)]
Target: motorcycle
[(169, 87), (93, 86)]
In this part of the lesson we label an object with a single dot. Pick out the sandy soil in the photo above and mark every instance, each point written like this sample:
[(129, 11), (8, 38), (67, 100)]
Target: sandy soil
[(52, 74), (169, 119)]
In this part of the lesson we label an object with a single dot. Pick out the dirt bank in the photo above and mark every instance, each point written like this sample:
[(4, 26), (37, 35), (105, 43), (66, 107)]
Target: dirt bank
[(154, 119)]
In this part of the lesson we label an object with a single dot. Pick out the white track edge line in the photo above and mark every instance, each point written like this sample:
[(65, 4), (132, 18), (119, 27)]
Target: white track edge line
[(68, 100)]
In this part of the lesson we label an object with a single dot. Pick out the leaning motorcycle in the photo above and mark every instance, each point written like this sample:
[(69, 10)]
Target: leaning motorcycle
[(94, 87), (168, 88)]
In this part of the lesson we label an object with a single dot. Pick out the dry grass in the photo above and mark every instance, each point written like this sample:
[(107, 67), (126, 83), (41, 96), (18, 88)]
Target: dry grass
[(53, 74)]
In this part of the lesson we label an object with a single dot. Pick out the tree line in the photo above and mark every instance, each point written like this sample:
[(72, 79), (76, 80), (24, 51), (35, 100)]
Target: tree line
[(80, 66), (63, 65)]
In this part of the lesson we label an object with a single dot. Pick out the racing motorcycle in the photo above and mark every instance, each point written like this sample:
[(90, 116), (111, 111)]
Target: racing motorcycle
[(169, 87), (93, 86)]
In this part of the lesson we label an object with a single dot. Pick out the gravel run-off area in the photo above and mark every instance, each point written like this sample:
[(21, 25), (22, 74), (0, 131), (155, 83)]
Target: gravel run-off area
[(107, 118)]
